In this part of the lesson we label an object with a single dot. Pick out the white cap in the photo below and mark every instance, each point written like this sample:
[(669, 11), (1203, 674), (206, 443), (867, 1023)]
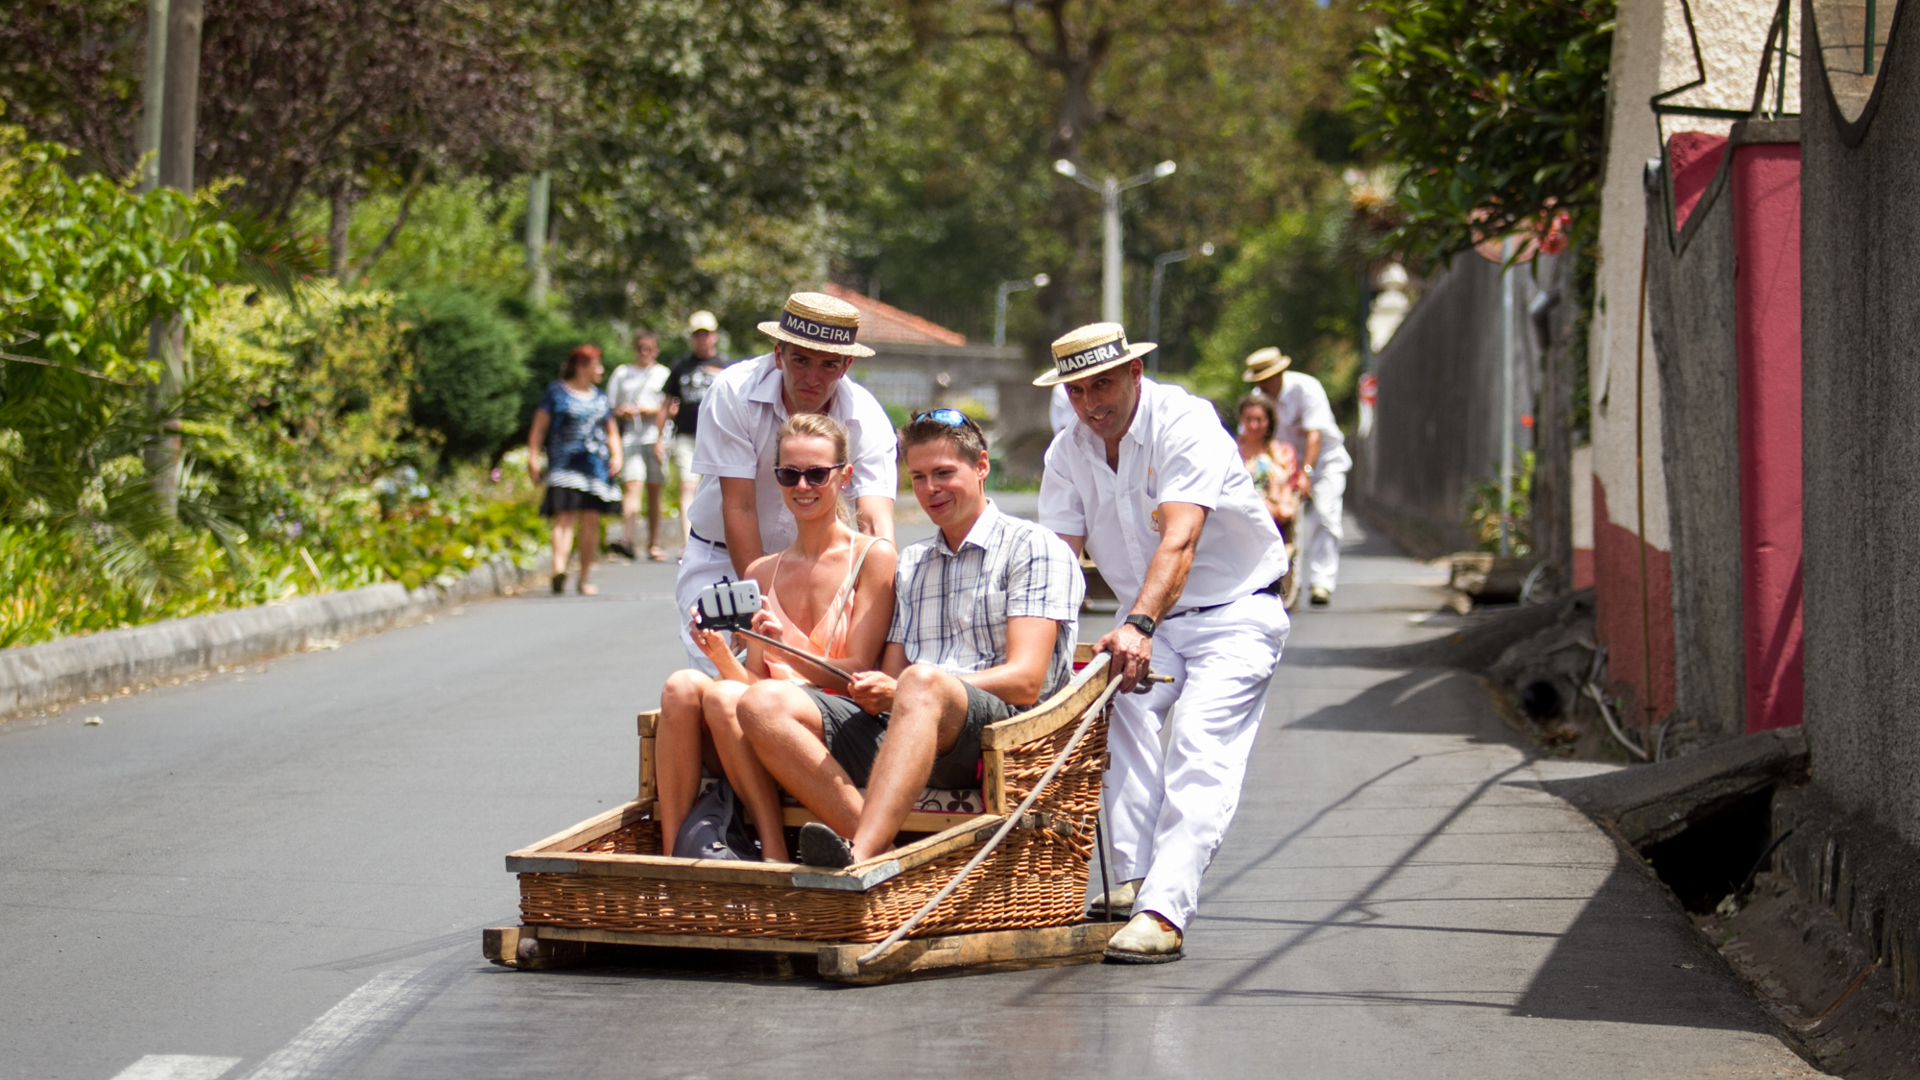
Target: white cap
[(702, 320)]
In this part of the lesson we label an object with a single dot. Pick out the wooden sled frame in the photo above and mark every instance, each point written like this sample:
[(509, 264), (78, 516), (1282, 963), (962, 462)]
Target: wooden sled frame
[(541, 944), (545, 948)]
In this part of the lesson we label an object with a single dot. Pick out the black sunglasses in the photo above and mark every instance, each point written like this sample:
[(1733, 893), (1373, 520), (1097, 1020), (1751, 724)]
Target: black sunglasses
[(949, 417), (788, 476)]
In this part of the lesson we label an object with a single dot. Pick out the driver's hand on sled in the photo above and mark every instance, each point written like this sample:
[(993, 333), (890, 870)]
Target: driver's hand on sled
[(872, 691), (1132, 657)]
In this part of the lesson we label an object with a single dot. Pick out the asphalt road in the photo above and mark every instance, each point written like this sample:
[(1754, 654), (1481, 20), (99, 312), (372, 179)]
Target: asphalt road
[(283, 872)]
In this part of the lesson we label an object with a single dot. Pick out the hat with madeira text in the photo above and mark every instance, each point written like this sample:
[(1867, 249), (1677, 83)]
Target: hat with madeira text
[(1094, 347), (818, 321)]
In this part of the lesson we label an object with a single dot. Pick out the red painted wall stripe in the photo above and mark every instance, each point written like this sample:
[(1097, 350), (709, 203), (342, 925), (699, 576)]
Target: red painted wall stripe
[(1766, 252)]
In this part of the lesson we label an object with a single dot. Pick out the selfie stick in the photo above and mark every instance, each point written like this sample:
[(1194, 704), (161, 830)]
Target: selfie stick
[(801, 653)]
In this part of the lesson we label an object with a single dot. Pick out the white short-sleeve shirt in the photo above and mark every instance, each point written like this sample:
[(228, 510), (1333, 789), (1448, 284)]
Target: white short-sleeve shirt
[(1174, 451), (631, 384), (1303, 407), (741, 415)]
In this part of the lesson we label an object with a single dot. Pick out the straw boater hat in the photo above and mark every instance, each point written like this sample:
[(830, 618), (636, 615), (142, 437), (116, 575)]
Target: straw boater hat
[(1094, 347), (818, 321), (1264, 364)]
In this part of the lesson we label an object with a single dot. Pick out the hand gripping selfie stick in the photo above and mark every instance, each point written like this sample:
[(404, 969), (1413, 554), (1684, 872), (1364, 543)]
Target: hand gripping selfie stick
[(731, 605)]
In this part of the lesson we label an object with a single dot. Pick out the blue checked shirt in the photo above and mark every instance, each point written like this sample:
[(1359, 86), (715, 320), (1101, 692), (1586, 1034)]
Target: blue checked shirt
[(951, 608)]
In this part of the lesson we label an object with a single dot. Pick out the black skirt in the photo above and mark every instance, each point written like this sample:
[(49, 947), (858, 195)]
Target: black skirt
[(564, 500)]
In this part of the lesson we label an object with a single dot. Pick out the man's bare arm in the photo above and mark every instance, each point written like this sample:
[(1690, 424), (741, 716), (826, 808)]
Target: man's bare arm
[(1075, 542), (741, 515), (875, 514), (1180, 525), (1023, 678)]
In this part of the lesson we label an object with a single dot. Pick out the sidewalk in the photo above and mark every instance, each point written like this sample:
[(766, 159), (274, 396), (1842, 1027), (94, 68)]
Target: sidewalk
[(1396, 888)]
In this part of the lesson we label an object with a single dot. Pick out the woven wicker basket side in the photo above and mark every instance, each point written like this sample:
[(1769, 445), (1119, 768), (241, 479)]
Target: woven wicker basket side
[(1036, 878)]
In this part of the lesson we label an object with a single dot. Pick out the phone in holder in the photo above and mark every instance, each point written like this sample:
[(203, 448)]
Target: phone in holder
[(729, 605)]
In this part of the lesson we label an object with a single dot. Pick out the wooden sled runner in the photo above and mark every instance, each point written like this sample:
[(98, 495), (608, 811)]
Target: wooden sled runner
[(604, 881)]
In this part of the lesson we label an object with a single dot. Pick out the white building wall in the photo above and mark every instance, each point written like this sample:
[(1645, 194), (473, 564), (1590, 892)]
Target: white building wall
[(1651, 53)]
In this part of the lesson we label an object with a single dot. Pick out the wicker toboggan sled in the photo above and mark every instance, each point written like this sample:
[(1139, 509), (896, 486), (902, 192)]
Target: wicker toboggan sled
[(604, 881)]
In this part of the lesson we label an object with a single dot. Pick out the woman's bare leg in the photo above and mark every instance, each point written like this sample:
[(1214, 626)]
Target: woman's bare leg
[(749, 778), (589, 543), (676, 750), (563, 529)]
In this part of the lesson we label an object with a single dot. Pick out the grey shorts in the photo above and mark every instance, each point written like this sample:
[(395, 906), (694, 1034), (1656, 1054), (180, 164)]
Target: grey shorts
[(854, 737), (641, 463)]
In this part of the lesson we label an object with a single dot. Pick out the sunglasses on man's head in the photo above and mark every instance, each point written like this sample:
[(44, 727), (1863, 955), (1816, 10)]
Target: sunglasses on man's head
[(949, 417), (788, 476)]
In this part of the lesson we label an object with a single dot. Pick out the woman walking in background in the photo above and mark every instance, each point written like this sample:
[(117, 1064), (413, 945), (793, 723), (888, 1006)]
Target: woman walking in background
[(1271, 462), (576, 428)]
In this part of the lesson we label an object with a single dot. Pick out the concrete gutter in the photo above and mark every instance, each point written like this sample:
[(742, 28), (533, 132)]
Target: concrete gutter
[(1651, 803), (36, 677)]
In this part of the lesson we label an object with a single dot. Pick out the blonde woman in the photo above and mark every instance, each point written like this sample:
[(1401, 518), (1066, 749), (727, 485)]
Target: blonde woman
[(830, 594)]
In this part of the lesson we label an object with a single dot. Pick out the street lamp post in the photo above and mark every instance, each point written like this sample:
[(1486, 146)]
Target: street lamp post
[(1110, 190), (1153, 296), (1007, 288)]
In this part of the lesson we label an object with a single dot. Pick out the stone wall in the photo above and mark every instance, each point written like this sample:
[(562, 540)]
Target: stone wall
[(1861, 380), (1690, 309)]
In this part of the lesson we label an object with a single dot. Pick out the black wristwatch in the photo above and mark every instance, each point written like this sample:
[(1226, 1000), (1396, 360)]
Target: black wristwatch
[(1142, 623)]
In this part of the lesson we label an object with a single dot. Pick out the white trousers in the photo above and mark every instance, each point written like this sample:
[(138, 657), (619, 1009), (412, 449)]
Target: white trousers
[(701, 564), (1320, 529), (1168, 809)]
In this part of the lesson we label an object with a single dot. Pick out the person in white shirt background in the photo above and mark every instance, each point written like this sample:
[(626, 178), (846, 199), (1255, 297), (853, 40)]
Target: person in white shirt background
[(639, 406), (1306, 421), (1150, 485), (741, 517)]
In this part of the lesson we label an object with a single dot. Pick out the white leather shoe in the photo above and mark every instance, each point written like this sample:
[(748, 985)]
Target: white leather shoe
[(1120, 900), (1144, 941)]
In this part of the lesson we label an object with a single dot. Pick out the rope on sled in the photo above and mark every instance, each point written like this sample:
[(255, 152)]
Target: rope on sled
[(1086, 722)]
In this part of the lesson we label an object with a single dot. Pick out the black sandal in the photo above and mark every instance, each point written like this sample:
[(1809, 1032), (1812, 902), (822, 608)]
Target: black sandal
[(559, 584), (821, 846)]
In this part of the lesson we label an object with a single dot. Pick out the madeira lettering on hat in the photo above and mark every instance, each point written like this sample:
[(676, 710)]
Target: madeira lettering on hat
[(1091, 348), (818, 321)]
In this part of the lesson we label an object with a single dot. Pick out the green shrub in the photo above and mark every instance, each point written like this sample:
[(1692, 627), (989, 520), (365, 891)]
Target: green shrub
[(469, 372)]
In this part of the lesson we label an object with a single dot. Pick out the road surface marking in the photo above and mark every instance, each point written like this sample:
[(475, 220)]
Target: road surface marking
[(177, 1067), (343, 1029)]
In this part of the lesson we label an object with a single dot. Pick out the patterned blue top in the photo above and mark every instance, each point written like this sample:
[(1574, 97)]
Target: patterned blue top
[(577, 451)]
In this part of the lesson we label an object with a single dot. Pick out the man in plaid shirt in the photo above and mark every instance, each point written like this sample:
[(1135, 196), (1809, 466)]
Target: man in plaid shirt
[(986, 614)]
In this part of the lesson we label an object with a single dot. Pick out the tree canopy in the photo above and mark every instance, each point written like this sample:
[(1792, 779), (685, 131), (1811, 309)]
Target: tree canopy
[(1494, 109)]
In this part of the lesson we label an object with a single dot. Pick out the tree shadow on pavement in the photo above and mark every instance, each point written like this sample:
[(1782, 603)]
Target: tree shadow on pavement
[(1632, 957), (1423, 701)]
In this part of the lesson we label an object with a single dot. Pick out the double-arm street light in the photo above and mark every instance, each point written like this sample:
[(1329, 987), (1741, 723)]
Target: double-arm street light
[(1110, 190), (1007, 288), (1153, 296)]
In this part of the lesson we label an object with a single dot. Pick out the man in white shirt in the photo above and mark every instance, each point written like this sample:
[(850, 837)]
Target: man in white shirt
[(742, 517), (1306, 421), (639, 405), (1150, 484)]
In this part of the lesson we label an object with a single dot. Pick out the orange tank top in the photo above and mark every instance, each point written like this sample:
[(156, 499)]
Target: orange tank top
[(828, 639)]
